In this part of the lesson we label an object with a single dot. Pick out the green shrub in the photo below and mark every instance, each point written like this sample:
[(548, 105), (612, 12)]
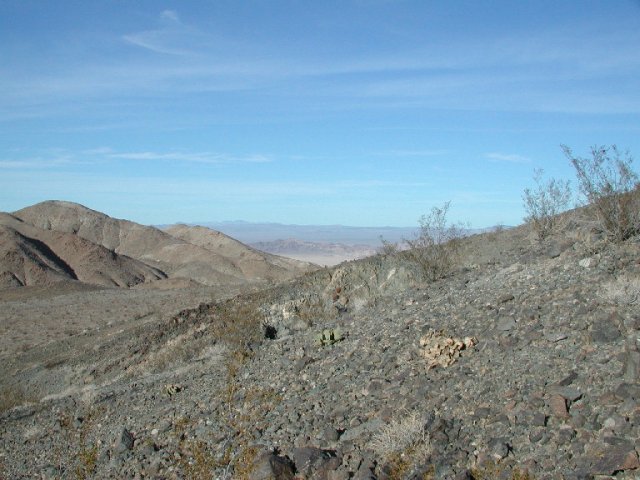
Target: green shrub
[(329, 336)]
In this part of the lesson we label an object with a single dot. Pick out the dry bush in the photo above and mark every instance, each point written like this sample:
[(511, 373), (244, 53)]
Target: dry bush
[(388, 248), (402, 444), (238, 323), (611, 187), (624, 290), (492, 470), (13, 396), (436, 249), (543, 204)]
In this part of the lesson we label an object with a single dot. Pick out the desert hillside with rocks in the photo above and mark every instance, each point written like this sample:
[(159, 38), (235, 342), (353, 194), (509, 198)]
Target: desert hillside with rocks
[(522, 362)]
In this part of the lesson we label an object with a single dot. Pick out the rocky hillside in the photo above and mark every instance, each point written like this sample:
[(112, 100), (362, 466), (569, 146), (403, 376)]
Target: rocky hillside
[(523, 363), (55, 240)]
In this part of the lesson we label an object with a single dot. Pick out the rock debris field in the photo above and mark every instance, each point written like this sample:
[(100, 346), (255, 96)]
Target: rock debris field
[(522, 363)]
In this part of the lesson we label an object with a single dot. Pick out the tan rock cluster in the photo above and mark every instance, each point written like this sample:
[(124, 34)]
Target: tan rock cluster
[(441, 350)]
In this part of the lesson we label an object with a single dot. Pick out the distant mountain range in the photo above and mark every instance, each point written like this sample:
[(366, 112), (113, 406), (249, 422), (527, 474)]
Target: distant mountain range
[(248, 232), (321, 244)]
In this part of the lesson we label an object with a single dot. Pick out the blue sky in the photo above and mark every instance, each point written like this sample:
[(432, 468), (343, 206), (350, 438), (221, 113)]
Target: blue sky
[(361, 112)]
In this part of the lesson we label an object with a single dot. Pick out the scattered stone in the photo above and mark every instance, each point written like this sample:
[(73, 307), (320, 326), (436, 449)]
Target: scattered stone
[(569, 393), (631, 364), (550, 389), (558, 406), (568, 380), (125, 442), (588, 262), (506, 324), (603, 330), (556, 336), (505, 298), (499, 448), (610, 460), (270, 466), (628, 391), (314, 463), (362, 429), (539, 419)]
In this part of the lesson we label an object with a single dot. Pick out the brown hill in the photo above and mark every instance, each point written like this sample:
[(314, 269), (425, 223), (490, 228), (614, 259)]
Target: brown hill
[(234, 265), (253, 263), (34, 256)]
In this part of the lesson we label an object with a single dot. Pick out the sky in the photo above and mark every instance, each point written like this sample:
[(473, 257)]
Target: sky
[(352, 112)]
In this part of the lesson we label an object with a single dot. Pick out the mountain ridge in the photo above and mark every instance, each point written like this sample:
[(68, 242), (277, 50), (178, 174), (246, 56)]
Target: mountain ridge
[(93, 242)]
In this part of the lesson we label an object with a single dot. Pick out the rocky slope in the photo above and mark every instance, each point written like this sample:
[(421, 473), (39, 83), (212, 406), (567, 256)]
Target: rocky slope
[(523, 363), (55, 240)]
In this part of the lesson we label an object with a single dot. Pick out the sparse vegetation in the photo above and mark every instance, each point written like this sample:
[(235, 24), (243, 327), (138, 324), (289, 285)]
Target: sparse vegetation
[(492, 470), (611, 187), (10, 397), (239, 325), (436, 248), (402, 444), (388, 248), (79, 457), (545, 202), (329, 337)]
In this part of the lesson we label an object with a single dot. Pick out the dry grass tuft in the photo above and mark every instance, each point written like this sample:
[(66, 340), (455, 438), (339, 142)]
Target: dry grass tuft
[(402, 444)]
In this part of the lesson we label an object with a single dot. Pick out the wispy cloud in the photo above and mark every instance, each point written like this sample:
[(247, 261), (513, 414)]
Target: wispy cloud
[(411, 153), (60, 158), (32, 163), (507, 157), (21, 159), (170, 15), (176, 38), (559, 70), (172, 38), (193, 157)]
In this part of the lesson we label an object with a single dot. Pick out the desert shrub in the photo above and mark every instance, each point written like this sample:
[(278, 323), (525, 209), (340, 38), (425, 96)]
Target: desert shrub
[(624, 290), (492, 470), (545, 202), (11, 396), (402, 444), (388, 248), (329, 336), (611, 187), (238, 323), (436, 248)]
